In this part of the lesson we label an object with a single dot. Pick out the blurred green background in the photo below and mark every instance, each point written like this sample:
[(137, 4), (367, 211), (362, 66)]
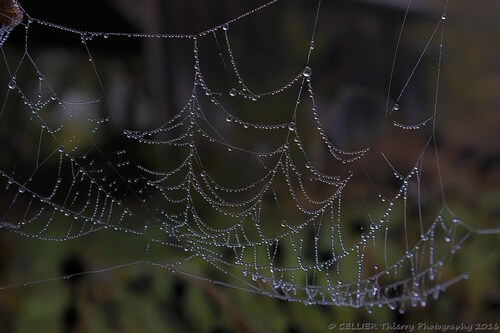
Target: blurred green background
[(351, 63)]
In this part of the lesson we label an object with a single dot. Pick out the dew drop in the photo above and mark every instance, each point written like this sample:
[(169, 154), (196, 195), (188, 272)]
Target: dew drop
[(12, 84), (307, 72), (395, 107), (232, 92), (225, 27), (291, 126)]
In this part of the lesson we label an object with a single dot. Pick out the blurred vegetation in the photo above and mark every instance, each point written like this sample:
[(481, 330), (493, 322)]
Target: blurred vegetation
[(351, 65)]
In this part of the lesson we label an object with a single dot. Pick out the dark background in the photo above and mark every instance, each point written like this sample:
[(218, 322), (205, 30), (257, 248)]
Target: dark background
[(351, 64)]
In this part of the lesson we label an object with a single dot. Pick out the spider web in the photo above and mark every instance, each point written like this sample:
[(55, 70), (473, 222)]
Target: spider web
[(265, 197)]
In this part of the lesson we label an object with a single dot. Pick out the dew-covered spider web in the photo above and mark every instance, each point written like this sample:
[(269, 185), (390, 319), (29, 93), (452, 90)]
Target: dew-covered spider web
[(251, 182)]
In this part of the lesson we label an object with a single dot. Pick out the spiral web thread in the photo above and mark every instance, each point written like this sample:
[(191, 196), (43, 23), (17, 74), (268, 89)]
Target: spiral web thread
[(250, 225)]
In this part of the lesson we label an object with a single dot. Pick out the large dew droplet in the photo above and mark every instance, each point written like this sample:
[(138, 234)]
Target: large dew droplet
[(307, 72), (12, 84), (232, 92), (291, 126), (225, 27)]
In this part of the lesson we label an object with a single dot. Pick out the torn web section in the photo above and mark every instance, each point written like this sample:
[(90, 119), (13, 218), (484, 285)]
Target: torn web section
[(64, 183)]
